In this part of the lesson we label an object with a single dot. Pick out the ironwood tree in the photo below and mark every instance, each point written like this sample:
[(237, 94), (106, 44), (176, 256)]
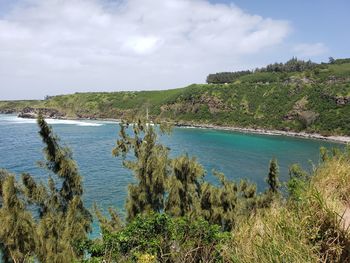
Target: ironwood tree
[(272, 178), (17, 231), (184, 187), (149, 167), (64, 221)]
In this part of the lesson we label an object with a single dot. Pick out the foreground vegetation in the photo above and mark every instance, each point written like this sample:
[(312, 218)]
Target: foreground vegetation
[(297, 96), (173, 214)]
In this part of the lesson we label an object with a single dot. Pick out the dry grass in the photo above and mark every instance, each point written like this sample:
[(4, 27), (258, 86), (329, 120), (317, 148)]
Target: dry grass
[(310, 230), (274, 235)]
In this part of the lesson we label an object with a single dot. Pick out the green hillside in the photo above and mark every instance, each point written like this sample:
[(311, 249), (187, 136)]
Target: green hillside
[(312, 97)]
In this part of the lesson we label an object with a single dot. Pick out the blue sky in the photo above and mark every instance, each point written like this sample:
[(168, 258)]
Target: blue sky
[(325, 21), (50, 47)]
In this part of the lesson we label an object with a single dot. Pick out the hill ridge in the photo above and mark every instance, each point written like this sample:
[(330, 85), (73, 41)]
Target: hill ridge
[(313, 100)]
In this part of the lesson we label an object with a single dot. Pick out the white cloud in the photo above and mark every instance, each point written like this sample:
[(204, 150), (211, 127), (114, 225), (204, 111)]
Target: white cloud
[(63, 46), (142, 44), (310, 50)]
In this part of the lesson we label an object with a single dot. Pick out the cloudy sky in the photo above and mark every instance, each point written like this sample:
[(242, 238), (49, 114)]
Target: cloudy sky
[(50, 47)]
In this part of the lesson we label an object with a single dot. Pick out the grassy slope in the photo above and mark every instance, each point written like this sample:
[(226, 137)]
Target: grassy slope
[(256, 100), (307, 229)]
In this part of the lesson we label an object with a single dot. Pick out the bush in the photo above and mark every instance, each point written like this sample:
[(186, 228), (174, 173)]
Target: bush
[(161, 237)]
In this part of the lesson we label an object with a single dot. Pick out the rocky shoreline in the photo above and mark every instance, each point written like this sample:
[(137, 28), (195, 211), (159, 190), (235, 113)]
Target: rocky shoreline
[(32, 113), (317, 136)]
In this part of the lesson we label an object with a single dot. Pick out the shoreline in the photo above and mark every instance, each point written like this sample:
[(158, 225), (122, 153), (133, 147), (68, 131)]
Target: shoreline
[(260, 131)]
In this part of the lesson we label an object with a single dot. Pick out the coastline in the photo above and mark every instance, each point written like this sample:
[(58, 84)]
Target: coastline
[(260, 131)]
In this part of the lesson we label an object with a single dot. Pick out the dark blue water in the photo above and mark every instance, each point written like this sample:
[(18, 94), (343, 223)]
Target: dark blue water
[(237, 155)]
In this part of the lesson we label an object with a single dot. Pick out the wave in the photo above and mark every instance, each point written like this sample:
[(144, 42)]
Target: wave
[(16, 120)]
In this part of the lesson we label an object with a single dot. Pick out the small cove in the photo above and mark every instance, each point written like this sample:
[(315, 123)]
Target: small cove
[(237, 155)]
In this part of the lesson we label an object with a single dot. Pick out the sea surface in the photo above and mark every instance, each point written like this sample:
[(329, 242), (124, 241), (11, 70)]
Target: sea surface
[(237, 155)]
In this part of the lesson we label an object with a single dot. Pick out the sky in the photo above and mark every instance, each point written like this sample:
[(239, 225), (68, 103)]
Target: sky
[(53, 47)]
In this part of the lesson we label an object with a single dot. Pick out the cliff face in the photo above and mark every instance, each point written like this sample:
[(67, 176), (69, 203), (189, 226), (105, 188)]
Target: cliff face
[(32, 113)]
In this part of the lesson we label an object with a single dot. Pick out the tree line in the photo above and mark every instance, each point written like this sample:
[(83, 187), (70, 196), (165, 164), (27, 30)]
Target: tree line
[(292, 65), (226, 77)]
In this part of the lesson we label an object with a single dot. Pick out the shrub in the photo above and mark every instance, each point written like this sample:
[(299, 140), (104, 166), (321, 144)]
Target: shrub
[(161, 237)]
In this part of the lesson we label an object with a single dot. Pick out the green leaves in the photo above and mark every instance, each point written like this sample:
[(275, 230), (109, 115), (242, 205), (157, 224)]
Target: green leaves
[(183, 187), (62, 220), (272, 179), (17, 233), (297, 182), (149, 167), (168, 239)]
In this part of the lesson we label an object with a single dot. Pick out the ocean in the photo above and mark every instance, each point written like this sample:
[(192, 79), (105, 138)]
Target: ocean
[(237, 155)]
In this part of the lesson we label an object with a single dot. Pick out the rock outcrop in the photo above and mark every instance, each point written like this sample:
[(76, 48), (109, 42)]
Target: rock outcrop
[(342, 100), (338, 99), (7, 111), (301, 112), (32, 113)]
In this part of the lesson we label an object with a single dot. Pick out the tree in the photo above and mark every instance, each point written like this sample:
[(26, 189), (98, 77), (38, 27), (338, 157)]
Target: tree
[(209, 201), (114, 224), (297, 182), (292, 65), (222, 204), (272, 180), (59, 160), (273, 175), (226, 77), (64, 221), (228, 198), (184, 187), (149, 168), (17, 232)]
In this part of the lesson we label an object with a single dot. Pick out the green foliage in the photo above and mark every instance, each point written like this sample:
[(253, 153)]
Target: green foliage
[(266, 98), (226, 77), (63, 221), (272, 194), (292, 65), (342, 61), (184, 186), (174, 215), (60, 162), (310, 226), (176, 186), (113, 224), (17, 232), (297, 183), (272, 178), (260, 77), (222, 204), (149, 168), (168, 239)]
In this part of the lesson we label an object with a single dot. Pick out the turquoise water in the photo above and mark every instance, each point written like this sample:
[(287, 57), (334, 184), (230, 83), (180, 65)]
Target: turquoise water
[(238, 155)]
